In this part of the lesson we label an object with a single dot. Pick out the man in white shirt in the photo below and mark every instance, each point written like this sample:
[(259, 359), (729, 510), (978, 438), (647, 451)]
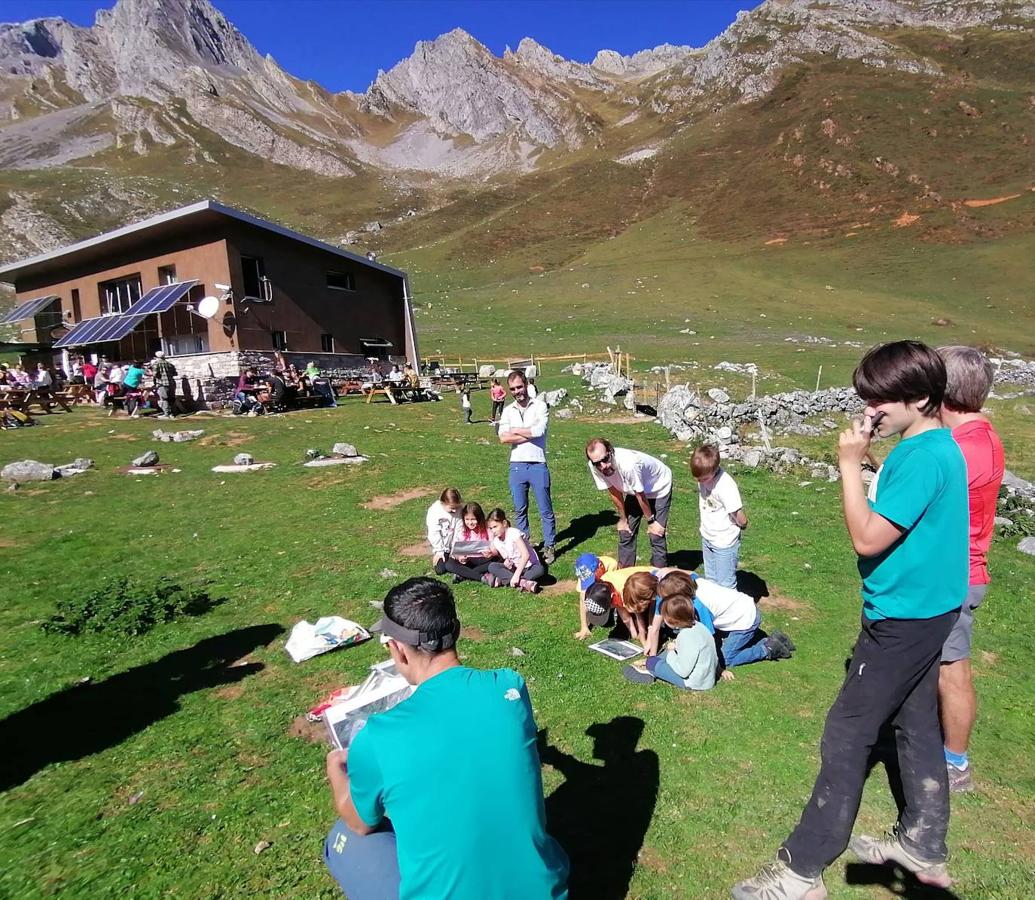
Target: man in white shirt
[(640, 487), (523, 426)]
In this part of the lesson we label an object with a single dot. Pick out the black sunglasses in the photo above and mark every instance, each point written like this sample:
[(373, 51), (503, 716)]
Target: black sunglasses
[(603, 461)]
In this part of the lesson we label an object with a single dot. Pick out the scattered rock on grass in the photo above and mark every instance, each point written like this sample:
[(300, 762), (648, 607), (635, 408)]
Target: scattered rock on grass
[(148, 458), (244, 459), (28, 470), (177, 437), (1027, 545)]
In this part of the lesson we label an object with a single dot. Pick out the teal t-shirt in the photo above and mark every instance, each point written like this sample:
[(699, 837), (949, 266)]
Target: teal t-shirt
[(455, 767), (922, 488)]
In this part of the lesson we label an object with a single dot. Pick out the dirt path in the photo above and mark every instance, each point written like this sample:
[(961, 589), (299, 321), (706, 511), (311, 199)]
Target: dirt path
[(390, 501)]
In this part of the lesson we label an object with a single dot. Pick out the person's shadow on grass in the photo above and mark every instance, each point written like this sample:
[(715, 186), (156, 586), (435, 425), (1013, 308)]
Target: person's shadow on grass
[(85, 719), (897, 880), (583, 528), (601, 813)]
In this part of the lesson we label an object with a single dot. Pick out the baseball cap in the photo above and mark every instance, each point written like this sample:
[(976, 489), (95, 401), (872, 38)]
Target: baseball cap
[(586, 569)]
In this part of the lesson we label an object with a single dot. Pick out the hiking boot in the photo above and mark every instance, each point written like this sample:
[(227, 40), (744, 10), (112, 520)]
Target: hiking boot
[(777, 881), (780, 636), (889, 849), (549, 556), (960, 780), (776, 649), (529, 586), (637, 676)]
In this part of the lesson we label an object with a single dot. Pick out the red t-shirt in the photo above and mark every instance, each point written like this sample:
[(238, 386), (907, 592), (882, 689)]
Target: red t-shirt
[(983, 453)]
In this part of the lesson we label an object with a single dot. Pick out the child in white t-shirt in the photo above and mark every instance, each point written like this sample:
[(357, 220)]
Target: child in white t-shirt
[(520, 566), (722, 516)]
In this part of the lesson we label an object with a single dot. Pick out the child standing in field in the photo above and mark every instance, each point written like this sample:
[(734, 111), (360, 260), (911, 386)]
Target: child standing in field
[(520, 566), (498, 394), (465, 405), (911, 535), (722, 516)]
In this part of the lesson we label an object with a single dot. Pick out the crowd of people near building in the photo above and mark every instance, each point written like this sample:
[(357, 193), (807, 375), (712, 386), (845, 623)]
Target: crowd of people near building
[(921, 532)]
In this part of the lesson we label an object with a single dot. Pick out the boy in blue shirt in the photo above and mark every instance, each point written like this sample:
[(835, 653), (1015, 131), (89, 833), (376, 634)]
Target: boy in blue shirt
[(911, 534)]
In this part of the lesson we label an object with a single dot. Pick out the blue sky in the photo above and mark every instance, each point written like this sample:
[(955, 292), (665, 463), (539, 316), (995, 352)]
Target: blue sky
[(342, 43)]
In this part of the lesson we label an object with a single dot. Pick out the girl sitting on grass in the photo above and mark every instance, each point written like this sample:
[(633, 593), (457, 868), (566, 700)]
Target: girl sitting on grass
[(693, 663), (520, 566), (472, 527)]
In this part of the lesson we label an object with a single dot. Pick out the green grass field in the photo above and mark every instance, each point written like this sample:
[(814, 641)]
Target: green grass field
[(159, 776)]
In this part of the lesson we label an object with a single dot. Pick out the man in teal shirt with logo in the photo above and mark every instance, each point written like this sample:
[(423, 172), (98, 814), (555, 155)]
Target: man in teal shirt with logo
[(912, 537), (442, 796)]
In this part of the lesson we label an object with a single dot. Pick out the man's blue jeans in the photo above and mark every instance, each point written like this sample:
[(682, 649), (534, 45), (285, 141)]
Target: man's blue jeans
[(536, 476), (720, 563), (366, 867), (735, 650)]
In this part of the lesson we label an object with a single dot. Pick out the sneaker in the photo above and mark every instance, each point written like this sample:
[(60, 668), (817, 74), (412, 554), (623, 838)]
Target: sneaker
[(776, 881), (491, 580), (549, 556), (780, 636), (637, 676), (960, 780), (775, 648), (528, 586), (889, 849)]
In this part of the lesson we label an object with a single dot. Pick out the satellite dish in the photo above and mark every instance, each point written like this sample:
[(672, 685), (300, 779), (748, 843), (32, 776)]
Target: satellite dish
[(208, 307)]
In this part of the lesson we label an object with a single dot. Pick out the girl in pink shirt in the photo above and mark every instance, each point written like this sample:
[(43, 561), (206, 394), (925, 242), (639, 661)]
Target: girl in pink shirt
[(520, 567)]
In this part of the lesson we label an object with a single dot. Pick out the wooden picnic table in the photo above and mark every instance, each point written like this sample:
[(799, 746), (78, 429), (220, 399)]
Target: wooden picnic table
[(23, 399)]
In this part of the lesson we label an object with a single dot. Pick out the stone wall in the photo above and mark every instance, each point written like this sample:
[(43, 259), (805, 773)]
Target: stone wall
[(210, 379)]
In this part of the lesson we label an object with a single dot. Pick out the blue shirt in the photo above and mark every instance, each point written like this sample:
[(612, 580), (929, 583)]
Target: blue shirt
[(455, 767), (921, 488), (704, 615)]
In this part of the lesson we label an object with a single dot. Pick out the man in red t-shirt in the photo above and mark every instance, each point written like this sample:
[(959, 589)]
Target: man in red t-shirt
[(969, 381)]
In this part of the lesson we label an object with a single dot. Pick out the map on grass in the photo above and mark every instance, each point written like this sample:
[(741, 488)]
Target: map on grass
[(617, 649)]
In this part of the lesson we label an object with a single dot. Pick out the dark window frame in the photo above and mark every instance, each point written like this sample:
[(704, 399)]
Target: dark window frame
[(279, 339), (117, 284), (253, 271), (326, 343), (349, 279)]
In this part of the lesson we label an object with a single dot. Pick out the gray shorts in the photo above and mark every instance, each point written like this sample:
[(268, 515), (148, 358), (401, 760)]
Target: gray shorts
[(957, 644)]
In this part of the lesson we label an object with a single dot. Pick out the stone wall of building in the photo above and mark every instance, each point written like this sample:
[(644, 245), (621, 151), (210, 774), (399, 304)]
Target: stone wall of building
[(210, 379)]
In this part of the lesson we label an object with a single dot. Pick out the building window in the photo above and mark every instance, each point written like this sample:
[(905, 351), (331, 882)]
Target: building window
[(119, 295), (280, 340), (341, 281), (327, 343), (254, 271), (77, 312), (166, 275)]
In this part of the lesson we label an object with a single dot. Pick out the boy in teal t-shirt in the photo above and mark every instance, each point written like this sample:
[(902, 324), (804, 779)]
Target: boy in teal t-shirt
[(911, 535), (454, 768)]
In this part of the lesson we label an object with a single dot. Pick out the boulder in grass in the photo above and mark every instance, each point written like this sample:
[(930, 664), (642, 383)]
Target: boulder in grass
[(148, 458), (719, 395), (752, 458), (28, 470), (76, 467), (1027, 545), (343, 449), (244, 459)]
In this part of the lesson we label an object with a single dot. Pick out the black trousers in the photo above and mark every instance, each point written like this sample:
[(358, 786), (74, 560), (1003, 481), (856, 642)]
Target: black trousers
[(472, 570), (893, 679), (627, 539)]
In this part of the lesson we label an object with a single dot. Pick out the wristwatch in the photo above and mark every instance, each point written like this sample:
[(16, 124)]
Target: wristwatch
[(651, 520)]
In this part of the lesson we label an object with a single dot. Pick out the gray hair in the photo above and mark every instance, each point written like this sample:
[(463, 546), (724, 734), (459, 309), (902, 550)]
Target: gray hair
[(970, 376)]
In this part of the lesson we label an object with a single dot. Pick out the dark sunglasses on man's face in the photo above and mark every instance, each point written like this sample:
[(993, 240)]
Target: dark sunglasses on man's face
[(600, 463)]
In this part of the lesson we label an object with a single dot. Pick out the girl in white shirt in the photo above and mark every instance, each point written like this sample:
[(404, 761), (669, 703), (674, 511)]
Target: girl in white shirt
[(442, 520), (520, 567)]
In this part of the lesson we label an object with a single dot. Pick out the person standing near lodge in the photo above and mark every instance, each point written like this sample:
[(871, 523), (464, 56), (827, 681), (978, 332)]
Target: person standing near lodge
[(454, 767), (523, 425), (165, 382), (640, 487), (911, 535), (969, 376)]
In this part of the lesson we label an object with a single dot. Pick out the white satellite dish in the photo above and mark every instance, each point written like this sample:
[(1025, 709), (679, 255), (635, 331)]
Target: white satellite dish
[(208, 307)]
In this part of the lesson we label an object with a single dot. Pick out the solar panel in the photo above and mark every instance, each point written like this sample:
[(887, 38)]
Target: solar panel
[(29, 309), (160, 299), (100, 329)]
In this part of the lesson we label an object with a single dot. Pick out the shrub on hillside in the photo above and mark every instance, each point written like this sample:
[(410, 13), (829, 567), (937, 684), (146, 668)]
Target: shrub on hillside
[(124, 608)]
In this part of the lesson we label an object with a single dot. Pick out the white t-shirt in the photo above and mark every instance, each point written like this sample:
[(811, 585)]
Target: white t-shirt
[(635, 473), (115, 375), (509, 547), (536, 418), (717, 504), (442, 526), (731, 610)]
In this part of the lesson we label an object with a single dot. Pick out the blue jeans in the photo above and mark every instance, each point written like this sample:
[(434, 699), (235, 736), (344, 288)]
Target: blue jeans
[(536, 476), (366, 867), (657, 666), (720, 563), (735, 650)]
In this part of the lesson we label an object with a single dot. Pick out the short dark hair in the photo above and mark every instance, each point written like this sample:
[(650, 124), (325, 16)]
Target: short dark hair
[(969, 376), (901, 372), (519, 374), (423, 604)]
